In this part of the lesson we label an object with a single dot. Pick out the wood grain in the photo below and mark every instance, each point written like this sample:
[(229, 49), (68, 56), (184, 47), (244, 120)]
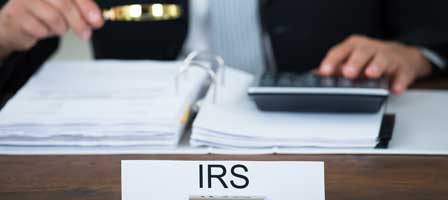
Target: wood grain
[(357, 177)]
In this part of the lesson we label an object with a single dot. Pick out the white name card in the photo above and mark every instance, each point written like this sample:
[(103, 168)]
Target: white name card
[(196, 180)]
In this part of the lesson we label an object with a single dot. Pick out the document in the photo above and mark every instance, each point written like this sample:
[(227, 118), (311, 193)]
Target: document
[(143, 180), (117, 103), (233, 121), (420, 130)]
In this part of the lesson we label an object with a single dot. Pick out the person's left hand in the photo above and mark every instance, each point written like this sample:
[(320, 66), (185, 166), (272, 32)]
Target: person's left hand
[(360, 55)]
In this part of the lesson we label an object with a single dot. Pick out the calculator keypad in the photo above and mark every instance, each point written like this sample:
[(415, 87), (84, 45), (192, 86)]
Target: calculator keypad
[(290, 92), (287, 79)]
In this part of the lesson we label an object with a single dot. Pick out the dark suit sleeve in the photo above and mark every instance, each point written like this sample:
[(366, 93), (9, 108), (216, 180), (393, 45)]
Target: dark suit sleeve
[(17, 68), (419, 23)]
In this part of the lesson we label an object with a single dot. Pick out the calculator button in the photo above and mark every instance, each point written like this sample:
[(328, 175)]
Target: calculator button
[(303, 81), (344, 82), (268, 80), (327, 82), (309, 80), (384, 83), (300, 82), (370, 84), (357, 83), (285, 80)]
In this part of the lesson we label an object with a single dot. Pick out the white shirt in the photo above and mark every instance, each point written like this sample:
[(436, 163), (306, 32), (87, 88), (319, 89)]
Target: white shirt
[(229, 28), (197, 39)]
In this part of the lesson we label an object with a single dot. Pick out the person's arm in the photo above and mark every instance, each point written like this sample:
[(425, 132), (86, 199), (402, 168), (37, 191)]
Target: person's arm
[(23, 22), (411, 26), (27, 34)]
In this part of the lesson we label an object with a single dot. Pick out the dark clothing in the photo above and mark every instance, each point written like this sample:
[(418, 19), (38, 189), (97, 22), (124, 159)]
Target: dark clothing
[(20, 66), (301, 32), (141, 40)]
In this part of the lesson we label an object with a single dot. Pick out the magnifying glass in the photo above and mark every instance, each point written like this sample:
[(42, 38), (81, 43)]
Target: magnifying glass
[(143, 12)]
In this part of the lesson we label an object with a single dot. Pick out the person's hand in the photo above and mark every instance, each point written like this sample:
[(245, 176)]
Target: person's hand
[(363, 56), (24, 22)]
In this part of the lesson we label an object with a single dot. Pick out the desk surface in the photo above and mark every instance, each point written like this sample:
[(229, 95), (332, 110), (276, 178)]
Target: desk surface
[(357, 177), (346, 176)]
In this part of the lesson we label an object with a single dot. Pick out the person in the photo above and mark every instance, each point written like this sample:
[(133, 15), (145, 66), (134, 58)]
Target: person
[(405, 40)]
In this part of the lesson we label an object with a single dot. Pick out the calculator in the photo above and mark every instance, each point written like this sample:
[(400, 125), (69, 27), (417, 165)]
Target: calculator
[(293, 92)]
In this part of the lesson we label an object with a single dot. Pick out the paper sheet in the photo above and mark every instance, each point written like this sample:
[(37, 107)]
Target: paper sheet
[(234, 121), (102, 103)]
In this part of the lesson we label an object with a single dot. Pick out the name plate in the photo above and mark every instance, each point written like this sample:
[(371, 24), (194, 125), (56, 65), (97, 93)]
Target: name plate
[(222, 180)]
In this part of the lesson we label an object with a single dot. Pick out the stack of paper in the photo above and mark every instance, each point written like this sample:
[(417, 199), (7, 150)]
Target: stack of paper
[(107, 103), (233, 121)]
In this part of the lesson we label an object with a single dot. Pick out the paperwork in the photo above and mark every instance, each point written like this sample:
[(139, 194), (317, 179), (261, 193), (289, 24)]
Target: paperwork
[(107, 103), (106, 128), (420, 129), (235, 122)]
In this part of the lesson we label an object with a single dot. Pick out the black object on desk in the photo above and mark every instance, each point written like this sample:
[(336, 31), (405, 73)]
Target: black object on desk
[(311, 93)]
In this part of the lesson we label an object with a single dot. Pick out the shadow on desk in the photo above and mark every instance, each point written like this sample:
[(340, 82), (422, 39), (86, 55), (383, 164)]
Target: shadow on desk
[(438, 83)]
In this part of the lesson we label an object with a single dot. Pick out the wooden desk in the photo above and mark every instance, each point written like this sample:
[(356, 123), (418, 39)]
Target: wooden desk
[(357, 177), (347, 177)]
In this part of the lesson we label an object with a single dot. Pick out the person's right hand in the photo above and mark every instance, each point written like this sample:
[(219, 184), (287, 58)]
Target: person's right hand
[(24, 22)]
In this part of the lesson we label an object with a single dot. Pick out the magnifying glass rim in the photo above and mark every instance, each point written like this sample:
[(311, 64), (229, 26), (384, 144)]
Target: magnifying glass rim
[(148, 12)]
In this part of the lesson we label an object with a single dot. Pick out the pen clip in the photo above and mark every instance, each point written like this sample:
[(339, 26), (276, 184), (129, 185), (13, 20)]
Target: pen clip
[(207, 56), (211, 74)]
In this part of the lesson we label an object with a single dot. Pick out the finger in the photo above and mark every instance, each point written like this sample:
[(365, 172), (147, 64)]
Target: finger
[(91, 12), (73, 17), (34, 27), (49, 15), (378, 66), (22, 41), (21, 31), (336, 56), (358, 60), (403, 78)]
